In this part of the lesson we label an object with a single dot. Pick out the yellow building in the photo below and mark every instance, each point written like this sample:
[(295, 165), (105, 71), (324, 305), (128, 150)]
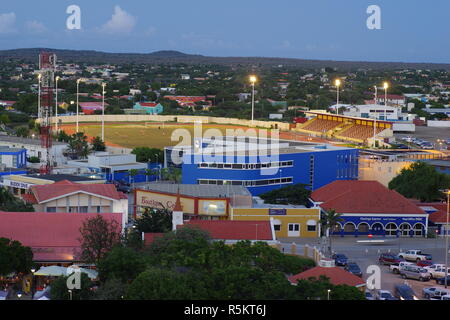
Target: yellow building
[(289, 221)]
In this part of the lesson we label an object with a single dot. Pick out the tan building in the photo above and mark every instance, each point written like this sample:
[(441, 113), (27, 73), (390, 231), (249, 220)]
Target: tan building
[(69, 197), (288, 221)]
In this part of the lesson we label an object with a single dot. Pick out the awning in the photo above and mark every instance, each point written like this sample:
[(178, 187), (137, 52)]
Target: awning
[(311, 223)]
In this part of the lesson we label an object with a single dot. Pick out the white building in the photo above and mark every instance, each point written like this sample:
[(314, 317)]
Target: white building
[(375, 111), (34, 148)]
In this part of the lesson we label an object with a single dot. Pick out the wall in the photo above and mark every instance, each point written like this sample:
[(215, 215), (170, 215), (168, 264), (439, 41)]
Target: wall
[(381, 171), (438, 124), (180, 119)]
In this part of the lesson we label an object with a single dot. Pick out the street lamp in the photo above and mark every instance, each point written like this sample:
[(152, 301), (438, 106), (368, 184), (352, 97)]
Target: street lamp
[(39, 95), (328, 294), (337, 84), (56, 82), (78, 93), (385, 86), (252, 81), (375, 117), (33, 270), (446, 239), (103, 111)]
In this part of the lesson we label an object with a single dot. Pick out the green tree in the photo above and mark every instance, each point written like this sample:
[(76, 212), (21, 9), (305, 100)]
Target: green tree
[(98, 237), (111, 289), (22, 132), (421, 181), (154, 220), (8, 202), (4, 119), (14, 257), (121, 263), (162, 284), (98, 144), (145, 154), (296, 194), (329, 220), (59, 291), (78, 146)]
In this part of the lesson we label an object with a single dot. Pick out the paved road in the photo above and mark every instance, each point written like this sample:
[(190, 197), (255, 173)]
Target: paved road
[(365, 255)]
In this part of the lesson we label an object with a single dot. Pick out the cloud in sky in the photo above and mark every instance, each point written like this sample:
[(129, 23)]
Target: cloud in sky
[(35, 27), (7, 22), (121, 22)]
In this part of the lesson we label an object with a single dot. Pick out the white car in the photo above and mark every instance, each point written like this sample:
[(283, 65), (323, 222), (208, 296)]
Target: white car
[(396, 268), (439, 272), (384, 295), (414, 255), (435, 293)]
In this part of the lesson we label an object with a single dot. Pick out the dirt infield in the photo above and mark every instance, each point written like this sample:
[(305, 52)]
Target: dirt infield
[(158, 135)]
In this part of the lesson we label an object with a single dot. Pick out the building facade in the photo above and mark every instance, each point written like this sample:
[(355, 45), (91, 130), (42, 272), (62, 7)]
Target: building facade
[(13, 157), (311, 164)]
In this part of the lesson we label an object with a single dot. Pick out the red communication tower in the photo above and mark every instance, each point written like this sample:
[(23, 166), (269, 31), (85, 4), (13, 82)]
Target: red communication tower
[(47, 64)]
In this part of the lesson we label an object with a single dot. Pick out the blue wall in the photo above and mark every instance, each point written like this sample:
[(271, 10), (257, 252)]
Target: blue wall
[(21, 157), (328, 166), (375, 221)]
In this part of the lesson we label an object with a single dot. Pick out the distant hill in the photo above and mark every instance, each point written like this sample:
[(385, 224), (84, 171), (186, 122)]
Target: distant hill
[(170, 57)]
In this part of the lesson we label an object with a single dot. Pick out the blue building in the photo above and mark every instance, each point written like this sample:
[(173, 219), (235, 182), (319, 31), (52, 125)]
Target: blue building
[(266, 166), (149, 107), (368, 207), (13, 157)]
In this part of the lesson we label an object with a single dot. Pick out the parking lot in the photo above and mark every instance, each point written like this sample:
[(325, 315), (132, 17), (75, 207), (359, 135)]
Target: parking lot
[(427, 133), (365, 255)]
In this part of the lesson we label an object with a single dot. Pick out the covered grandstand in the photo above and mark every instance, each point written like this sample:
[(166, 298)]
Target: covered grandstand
[(351, 129)]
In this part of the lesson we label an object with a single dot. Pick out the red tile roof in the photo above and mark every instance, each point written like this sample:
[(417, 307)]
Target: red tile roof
[(43, 193), (440, 215), (234, 230), (347, 196), (29, 198), (147, 104), (52, 236), (336, 275)]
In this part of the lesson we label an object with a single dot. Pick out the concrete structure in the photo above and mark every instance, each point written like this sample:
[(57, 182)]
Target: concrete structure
[(263, 165), (13, 157), (69, 197), (367, 207), (34, 148)]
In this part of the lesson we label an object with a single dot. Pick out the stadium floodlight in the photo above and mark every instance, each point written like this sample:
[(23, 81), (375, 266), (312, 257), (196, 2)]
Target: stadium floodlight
[(385, 86), (253, 79), (337, 83), (78, 104)]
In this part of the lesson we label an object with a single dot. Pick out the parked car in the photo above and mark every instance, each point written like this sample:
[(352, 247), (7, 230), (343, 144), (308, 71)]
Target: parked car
[(434, 293), (434, 266), (415, 272), (424, 263), (395, 268), (442, 281), (352, 267), (369, 295), (385, 295), (415, 255), (447, 297), (340, 259), (404, 292), (439, 272), (389, 258), (123, 188)]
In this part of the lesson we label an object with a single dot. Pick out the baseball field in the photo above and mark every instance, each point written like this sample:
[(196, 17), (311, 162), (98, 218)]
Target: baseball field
[(154, 135)]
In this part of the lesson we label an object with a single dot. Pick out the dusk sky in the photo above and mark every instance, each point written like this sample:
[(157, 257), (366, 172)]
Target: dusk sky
[(411, 30)]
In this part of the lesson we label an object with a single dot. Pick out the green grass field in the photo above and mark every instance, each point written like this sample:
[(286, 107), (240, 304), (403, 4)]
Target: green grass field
[(141, 135)]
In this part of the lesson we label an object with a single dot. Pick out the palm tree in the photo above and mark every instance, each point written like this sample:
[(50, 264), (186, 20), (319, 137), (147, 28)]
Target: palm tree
[(133, 174), (329, 220)]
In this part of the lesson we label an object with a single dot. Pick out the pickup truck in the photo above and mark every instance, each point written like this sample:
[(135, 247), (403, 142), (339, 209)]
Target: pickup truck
[(414, 255), (395, 268)]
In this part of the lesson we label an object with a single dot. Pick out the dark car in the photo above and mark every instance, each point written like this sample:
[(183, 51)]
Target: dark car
[(442, 281), (388, 259), (340, 259), (353, 268), (404, 292)]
